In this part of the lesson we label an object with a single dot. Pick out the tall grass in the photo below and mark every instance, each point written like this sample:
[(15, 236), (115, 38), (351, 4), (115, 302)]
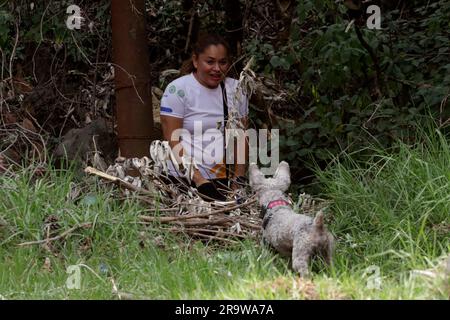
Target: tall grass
[(116, 247), (390, 215), (393, 209)]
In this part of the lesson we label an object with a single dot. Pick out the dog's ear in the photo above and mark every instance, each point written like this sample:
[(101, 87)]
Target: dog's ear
[(256, 177), (318, 221), (283, 175)]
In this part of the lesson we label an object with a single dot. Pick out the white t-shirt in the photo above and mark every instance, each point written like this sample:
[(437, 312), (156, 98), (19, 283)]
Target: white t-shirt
[(201, 109)]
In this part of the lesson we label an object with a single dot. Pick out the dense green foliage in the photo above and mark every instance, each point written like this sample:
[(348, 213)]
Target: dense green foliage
[(331, 77), (38, 24)]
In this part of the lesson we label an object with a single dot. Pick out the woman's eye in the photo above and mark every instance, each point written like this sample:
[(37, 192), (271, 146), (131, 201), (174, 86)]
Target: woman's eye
[(210, 62)]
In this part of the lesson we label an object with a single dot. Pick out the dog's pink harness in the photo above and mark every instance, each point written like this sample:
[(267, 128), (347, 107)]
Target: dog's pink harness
[(272, 204), (276, 203)]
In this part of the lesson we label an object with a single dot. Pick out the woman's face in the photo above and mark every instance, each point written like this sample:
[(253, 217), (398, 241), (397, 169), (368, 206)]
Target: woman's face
[(211, 65)]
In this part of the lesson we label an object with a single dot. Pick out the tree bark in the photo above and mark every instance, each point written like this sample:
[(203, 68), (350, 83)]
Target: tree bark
[(132, 78)]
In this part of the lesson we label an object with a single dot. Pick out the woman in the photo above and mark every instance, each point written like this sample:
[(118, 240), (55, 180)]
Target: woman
[(198, 102)]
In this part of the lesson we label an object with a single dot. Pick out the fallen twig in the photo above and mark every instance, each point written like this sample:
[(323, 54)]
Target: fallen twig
[(249, 225), (220, 232), (62, 235), (117, 181), (213, 237), (192, 216), (125, 295)]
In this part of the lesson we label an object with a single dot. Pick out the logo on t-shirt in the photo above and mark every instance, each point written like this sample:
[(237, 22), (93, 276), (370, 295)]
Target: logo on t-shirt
[(172, 89), (180, 93), (166, 109)]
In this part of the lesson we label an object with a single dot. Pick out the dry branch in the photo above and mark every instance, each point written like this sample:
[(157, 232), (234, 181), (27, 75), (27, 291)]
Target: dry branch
[(192, 216), (117, 181), (62, 235), (220, 232)]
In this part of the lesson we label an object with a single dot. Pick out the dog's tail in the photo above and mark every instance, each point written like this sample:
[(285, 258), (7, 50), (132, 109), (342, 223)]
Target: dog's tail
[(318, 221)]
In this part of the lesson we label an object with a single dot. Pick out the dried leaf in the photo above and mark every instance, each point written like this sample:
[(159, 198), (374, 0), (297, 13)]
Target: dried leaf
[(27, 124)]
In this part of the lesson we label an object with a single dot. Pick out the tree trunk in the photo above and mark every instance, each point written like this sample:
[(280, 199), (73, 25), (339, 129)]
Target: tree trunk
[(132, 78)]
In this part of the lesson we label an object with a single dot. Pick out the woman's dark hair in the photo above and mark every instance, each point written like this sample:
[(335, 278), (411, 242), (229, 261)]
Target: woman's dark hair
[(200, 46)]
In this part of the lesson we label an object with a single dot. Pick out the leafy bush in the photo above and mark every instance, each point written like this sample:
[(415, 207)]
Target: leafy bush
[(333, 102), (43, 23)]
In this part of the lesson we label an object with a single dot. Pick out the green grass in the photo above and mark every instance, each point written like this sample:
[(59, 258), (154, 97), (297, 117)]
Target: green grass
[(392, 211), (389, 213)]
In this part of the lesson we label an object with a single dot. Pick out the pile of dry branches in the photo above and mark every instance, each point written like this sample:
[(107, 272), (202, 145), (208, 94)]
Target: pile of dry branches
[(178, 208)]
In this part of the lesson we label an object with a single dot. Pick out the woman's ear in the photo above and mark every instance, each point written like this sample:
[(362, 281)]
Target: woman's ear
[(195, 60)]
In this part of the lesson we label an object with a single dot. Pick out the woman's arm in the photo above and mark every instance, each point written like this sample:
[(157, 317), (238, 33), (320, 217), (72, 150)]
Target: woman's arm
[(169, 125)]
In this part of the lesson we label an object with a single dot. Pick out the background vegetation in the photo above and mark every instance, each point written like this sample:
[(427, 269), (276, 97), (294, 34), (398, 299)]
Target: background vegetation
[(365, 128), (334, 95)]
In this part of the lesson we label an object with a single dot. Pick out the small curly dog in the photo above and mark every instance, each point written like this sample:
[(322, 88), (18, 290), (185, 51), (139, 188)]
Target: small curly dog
[(291, 234)]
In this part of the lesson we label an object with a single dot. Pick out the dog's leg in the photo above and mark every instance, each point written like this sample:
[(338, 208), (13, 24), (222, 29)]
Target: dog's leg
[(300, 256)]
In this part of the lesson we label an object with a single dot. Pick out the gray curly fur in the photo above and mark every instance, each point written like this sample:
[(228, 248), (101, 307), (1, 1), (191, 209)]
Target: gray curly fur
[(289, 233)]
